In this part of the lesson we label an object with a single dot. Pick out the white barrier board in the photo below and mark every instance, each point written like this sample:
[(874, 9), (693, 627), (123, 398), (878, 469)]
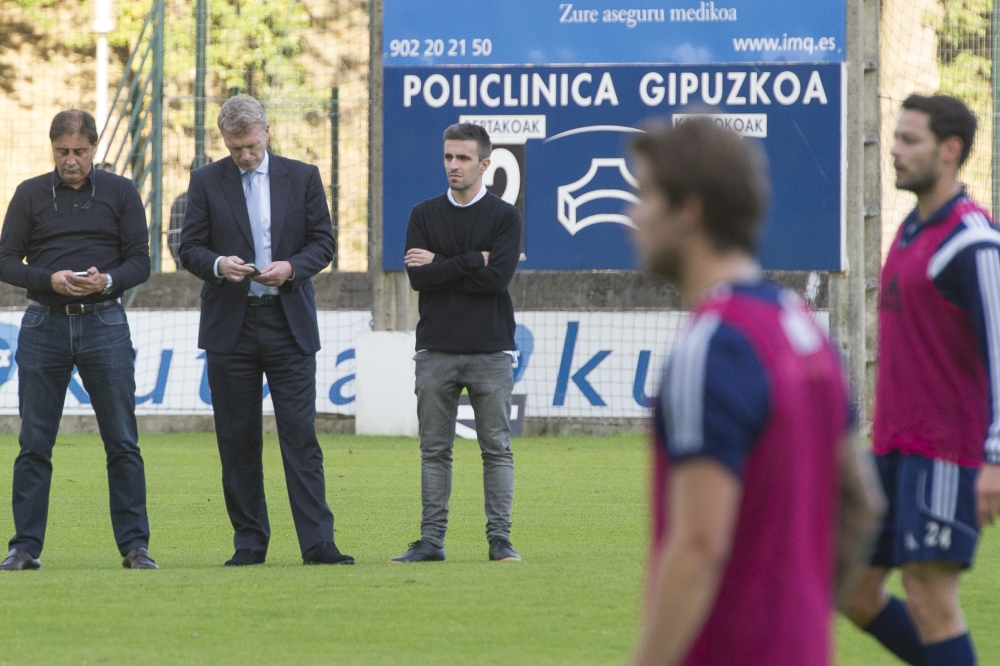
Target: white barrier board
[(386, 403), (572, 364)]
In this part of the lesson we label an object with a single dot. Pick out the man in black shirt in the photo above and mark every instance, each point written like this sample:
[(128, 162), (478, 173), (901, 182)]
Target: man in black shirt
[(83, 234), (462, 249)]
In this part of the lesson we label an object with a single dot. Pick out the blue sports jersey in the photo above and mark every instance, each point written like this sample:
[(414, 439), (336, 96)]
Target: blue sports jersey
[(717, 362)]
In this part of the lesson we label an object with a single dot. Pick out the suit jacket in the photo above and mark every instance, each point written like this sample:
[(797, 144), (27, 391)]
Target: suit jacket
[(216, 223)]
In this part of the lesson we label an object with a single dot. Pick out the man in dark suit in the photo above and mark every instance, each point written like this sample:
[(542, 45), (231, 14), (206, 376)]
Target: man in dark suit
[(256, 229)]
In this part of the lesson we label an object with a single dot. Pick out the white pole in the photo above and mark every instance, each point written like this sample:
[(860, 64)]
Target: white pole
[(102, 82), (104, 22)]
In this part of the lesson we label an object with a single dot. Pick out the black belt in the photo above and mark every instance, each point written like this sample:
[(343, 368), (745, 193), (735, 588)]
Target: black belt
[(74, 309), (266, 299)]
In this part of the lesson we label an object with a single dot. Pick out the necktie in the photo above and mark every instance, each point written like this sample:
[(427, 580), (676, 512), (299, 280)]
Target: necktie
[(252, 191)]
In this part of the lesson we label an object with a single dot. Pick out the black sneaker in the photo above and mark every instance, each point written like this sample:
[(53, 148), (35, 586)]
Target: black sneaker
[(502, 551), (420, 551)]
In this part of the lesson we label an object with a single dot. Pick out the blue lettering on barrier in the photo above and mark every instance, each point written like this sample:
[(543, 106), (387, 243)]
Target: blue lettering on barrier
[(204, 392), (76, 389), (156, 395), (639, 386), (524, 341), (8, 351), (580, 376), (337, 396)]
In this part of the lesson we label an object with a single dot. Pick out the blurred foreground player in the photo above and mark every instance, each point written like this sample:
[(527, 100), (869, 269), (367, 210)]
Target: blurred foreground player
[(937, 406), (752, 442)]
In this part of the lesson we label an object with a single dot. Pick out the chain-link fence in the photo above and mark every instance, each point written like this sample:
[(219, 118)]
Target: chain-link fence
[(930, 46), (291, 54)]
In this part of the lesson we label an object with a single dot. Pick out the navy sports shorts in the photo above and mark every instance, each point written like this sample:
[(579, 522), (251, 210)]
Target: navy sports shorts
[(931, 514)]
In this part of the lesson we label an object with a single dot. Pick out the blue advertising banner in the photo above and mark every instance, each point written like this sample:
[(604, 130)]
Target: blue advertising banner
[(521, 32), (560, 124), (560, 139)]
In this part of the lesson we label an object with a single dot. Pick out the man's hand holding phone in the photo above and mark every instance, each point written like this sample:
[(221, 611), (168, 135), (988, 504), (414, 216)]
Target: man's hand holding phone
[(274, 274), (235, 269), (78, 283)]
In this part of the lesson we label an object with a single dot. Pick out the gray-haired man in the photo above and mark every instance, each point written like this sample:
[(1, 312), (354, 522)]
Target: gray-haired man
[(256, 229)]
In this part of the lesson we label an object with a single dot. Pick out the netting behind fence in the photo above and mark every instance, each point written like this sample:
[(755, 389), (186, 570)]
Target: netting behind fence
[(288, 53), (930, 46)]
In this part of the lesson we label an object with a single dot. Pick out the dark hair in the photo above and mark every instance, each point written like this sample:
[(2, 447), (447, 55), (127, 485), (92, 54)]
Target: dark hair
[(949, 116), (728, 174), (72, 123), (471, 132)]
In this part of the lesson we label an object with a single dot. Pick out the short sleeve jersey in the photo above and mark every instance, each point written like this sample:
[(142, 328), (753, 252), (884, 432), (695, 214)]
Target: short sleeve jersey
[(754, 384)]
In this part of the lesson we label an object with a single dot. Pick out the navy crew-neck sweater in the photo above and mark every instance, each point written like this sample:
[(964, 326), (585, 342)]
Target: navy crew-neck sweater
[(465, 307), (57, 228)]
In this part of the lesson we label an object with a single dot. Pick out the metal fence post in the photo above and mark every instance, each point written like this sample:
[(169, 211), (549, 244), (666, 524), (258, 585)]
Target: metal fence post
[(335, 169), (201, 37), (156, 110), (847, 288)]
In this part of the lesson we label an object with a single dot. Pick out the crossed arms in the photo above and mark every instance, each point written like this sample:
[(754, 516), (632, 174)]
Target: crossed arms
[(486, 271)]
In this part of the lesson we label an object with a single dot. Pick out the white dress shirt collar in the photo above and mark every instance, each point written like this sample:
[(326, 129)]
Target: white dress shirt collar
[(482, 193), (262, 169)]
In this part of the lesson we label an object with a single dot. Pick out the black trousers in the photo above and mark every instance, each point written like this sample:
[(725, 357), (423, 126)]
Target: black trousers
[(266, 347)]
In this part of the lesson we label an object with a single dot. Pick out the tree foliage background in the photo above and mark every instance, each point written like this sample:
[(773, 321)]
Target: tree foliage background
[(288, 53)]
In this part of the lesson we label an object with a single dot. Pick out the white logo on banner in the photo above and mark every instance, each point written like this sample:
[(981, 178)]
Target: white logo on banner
[(569, 204)]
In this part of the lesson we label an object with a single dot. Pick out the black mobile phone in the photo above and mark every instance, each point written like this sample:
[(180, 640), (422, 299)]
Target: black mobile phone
[(256, 272)]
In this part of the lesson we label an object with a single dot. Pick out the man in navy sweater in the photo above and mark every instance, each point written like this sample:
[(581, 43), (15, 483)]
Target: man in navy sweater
[(462, 249)]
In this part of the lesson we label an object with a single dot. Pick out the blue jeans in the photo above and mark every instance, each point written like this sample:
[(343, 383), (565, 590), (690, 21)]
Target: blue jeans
[(99, 345)]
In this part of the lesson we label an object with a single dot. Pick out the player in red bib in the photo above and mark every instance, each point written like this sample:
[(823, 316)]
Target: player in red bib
[(753, 457), (937, 403)]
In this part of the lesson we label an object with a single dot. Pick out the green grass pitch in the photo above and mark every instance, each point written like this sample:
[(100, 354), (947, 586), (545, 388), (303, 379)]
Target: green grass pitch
[(580, 521)]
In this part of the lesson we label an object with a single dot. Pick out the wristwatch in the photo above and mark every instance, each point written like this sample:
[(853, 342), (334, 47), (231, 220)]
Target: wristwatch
[(111, 283)]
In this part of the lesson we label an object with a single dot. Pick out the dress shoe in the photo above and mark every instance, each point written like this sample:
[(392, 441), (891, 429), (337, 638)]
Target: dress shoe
[(245, 557), (326, 553), (420, 550), (138, 558), (18, 560)]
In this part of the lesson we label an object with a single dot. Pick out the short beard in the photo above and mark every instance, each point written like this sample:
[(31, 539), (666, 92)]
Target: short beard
[(919, 185), (668, 264), (921, 182)]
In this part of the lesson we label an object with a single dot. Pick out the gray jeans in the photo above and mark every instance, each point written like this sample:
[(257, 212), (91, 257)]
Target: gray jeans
[(440, 379)]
